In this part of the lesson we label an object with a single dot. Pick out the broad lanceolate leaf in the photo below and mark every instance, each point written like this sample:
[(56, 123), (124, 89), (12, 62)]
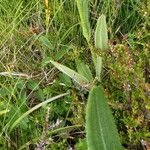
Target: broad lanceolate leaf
[(101, 35), (100, 126), (84, 70), (71, 73), (84, 17)]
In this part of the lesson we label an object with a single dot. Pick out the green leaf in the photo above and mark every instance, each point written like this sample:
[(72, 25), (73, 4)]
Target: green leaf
[(98, 67), (84, 70), (100, 126), (84, 17), (71, 73), (65, 79), (101, 35), (46, 42)]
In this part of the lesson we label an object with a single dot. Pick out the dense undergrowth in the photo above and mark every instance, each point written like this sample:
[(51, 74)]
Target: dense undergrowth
[(31, 32)]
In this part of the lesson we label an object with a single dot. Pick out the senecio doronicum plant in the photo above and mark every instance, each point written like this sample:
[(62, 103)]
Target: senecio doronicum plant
[(101, 132)]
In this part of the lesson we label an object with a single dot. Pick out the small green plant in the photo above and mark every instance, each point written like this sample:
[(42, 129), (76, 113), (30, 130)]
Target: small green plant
[(100, 127)]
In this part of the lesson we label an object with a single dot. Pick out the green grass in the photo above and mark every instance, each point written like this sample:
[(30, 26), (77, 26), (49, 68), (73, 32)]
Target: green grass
[(28, 83)]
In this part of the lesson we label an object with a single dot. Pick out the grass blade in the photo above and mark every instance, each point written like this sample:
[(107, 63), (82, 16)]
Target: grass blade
[(100, 126), (34, 108)]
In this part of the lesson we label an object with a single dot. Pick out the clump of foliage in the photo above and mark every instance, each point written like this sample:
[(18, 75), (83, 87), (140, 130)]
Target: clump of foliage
[(34, 32)]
